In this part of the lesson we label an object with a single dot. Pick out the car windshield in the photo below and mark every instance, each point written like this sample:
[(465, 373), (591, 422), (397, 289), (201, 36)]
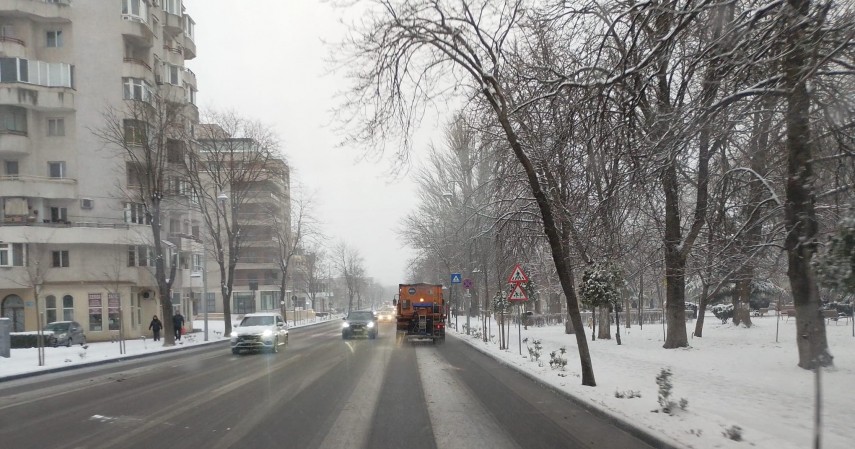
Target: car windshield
[(360, 316), (257, 321), (57, 327)]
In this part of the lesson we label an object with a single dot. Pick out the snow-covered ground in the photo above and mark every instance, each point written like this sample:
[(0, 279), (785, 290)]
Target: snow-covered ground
[(732, 377)]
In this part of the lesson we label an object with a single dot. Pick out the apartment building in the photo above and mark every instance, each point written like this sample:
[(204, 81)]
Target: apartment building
[(74, 245), (256, 182)]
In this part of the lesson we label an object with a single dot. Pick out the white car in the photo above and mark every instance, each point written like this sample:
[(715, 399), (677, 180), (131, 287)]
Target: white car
[(259, 332)]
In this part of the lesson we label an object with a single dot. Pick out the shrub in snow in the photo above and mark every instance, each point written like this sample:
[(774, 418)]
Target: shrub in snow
[(663, 379), (733, 433), (535, 351), (557, 360), (600, 286), (835, 265), (629, 394)]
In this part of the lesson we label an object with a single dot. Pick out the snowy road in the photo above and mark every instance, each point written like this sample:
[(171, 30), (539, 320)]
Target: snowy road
[(321, 392)]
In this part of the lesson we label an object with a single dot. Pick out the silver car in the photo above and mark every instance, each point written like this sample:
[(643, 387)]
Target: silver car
[(64, 333), (260, 332)]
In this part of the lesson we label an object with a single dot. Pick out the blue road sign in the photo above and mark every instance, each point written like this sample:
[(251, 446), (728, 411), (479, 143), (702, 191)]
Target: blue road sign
[(455, 278)]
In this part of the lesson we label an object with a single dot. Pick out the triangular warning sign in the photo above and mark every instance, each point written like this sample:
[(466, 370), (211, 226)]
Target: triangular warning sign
[(517, 276), (517, 294)]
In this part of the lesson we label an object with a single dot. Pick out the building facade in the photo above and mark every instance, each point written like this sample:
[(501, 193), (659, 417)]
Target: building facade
[(74, 245)]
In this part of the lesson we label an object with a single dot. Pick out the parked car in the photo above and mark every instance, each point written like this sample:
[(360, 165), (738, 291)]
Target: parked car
[(259, 332), (359, 322), (64, 333)]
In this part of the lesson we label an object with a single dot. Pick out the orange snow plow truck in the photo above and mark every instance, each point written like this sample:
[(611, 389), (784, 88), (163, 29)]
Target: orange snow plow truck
[(420, 313)]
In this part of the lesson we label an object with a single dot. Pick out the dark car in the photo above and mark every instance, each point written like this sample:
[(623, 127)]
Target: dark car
[(64, 333), (360, 322)]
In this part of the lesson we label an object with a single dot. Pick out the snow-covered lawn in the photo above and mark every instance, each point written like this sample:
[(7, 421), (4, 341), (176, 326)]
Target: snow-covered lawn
[(733, 376)]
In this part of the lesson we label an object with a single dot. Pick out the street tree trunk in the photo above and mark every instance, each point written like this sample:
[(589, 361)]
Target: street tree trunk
[(799, 211)]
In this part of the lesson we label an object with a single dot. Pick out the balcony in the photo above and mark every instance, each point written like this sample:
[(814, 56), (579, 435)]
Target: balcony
[(37, 186), (137, 68), (13, 144), (172, 93), (138, 31), (92, 233), (189, 48), (38, 10), (12, 47), (189, 77), (37, 98), (173, 24)]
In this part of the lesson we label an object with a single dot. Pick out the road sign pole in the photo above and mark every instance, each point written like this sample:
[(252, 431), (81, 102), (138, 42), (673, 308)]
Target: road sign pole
[(519, 326)]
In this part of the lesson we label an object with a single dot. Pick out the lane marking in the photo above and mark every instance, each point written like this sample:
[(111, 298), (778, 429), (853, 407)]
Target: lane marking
[(457, 417)]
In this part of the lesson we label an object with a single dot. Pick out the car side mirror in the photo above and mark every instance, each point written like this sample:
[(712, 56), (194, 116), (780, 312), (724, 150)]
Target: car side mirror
[(280, 324)]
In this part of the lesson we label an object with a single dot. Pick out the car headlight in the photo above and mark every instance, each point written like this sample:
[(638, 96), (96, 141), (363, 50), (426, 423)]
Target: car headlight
[(267, 333), (62, 335), (370, 324), (233, 334), (345, 324)]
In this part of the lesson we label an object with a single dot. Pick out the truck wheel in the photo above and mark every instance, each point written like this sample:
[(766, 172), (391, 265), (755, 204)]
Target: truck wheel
[(372, 336)]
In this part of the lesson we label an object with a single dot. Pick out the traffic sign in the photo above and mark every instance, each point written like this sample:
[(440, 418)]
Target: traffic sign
[(467, 283), (455, 278), (517, 295), (517, 276)]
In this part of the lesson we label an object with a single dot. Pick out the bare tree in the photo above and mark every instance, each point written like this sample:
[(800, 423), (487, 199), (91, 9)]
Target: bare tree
[(234, 162), (293, 233), (349, 263), (151, 134), (402, 53)]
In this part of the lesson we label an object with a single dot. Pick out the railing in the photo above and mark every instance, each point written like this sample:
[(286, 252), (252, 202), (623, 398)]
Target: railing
[(12, 39), (177, 50), (37, 178), (138, 62), (29, 221)]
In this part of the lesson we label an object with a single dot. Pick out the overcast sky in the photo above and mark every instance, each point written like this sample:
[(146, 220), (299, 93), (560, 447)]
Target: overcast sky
[(266, 59)]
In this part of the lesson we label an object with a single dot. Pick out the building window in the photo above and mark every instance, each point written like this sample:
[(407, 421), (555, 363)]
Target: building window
[(197, 262), (113, 311), (11, 168), (189, 27), (11, 254), (269, 300), (172, 74), (96, 314), (13, 120), (54, 39), (56, 127), (191, 95), (135, 131), (56, 169), (174, 151), (59, 259), (211, 301), (135, 10), (244, 302), (135, 213), (50, 309), (172, 6), (67, 308), (139, 256), (50, 74), (135, 174), (58, 214), (136, 89)]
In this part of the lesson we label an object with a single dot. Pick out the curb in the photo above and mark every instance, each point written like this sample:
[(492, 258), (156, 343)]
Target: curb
[(642, 433)]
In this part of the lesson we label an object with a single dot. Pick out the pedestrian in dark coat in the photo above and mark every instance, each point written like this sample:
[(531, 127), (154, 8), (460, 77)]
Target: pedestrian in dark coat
[(155, 328), (178, 323)]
